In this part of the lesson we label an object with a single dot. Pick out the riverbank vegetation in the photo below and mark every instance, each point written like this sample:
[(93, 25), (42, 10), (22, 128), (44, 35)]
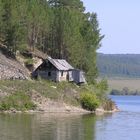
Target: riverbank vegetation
[(89, 101), (17, 101), (20, 95)]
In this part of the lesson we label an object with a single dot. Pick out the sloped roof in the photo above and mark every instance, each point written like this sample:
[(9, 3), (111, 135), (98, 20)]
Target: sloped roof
[(60, 64)]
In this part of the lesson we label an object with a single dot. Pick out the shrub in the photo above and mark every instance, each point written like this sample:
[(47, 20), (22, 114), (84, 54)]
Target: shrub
[(89, 101)]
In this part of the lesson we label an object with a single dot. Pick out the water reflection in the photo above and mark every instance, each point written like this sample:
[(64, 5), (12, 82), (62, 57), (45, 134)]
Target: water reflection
[(88, 122), (49, 126), (66, 127), (75, 126), (15, 127)]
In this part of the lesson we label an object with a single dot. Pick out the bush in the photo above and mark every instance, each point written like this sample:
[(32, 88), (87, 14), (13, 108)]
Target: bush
[(89, 101)]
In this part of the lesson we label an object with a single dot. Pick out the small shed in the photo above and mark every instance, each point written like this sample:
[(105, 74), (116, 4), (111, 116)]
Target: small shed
[(79, 76), (58, 70)]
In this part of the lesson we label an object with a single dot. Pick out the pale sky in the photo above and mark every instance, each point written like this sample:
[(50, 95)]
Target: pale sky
[(119, 21)]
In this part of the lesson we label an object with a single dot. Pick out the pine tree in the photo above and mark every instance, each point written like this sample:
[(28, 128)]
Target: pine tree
[(61, 28)]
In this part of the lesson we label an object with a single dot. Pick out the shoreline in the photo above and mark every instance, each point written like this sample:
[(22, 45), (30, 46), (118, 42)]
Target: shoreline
[(73, 110), (42, 97)]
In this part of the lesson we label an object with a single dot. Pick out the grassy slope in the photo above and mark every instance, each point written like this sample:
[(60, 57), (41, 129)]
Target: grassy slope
[(20, 93), (55, 91)]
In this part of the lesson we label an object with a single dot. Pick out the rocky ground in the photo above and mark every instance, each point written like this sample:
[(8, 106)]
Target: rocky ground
[(49, 106), (11, 69), (46, 105)]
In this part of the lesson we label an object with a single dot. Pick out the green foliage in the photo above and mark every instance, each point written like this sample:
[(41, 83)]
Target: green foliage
[(29, 61), (100, 88), (18, 101), (102, 85), (89, 101), (23, 48), (59, 27)]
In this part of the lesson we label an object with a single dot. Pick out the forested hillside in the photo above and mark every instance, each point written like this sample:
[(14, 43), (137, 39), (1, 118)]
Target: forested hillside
[(60, 28), (119, 65)]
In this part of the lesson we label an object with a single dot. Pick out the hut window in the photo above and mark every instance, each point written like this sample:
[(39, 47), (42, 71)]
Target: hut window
[(49, 73), (62, 73)]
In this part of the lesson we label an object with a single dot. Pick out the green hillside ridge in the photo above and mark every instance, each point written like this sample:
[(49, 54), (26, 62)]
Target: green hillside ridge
[(122, 72), (119, 65)]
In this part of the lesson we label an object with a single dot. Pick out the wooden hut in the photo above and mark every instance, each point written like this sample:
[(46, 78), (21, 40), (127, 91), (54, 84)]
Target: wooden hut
[(58, 70)]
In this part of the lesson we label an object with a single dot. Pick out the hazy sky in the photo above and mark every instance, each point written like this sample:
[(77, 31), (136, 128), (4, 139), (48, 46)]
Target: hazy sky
[(120, 23)]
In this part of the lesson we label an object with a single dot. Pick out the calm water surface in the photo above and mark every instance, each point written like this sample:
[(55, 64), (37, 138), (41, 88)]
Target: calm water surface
[(124, 125)]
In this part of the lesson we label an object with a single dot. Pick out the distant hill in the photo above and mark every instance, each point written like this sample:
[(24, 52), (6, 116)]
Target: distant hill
[(119, 65)]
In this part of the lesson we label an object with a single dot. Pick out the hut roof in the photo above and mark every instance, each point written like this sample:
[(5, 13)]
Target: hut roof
[(60, 64)]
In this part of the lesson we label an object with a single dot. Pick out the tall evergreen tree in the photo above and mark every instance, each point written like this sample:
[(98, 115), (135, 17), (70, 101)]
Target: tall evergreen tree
[(61, 28), (7, 27)]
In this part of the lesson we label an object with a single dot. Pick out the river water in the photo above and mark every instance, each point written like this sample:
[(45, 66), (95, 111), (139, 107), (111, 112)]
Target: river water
[(124, 125)]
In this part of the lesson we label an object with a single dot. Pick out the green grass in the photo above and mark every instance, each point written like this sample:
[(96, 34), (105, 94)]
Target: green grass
[(29, 61), (65, 92), (20, 93), (19, 101)]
